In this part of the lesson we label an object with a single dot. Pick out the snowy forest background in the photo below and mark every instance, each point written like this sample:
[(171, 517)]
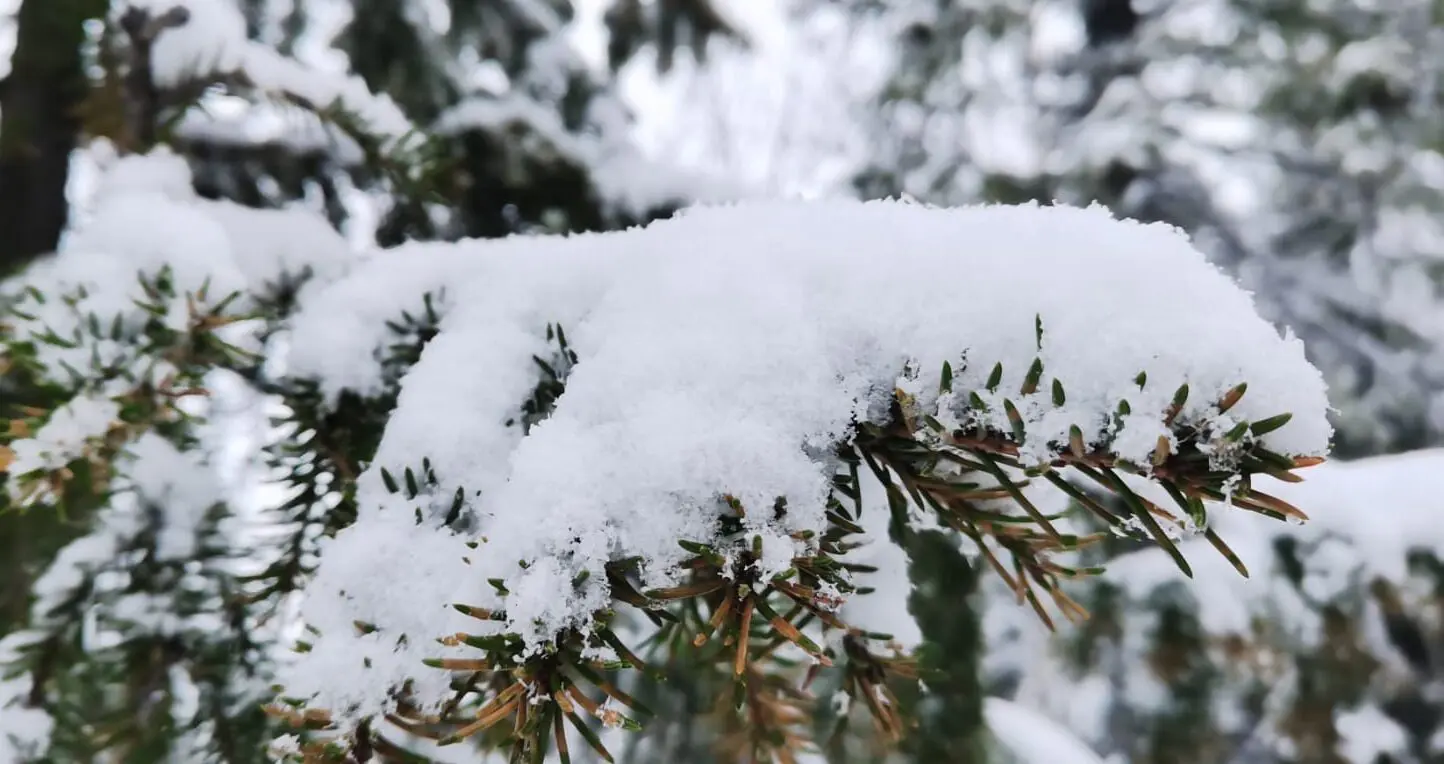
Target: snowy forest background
[(1299, 143)]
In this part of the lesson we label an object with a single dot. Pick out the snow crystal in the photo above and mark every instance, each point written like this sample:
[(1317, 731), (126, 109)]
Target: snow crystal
[(724, 351)]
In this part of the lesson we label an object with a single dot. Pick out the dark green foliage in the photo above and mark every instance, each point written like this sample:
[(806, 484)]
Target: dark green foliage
[(119, 698), (669, 25), (950, 714)]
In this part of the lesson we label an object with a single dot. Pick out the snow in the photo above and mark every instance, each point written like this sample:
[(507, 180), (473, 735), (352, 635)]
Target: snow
[(66, 436), (227, 120), (210, 40), (24, 732), (8, 30), (212, 44), (726, 351), (177, 485), (72, 565), (339, 336), (145, 219), (375, 113), (1369, 736), (1032, 737)]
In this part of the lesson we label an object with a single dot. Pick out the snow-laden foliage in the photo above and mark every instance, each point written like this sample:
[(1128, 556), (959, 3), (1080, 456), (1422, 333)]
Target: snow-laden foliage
[(397, 145), (719, 360), (109, 346), (150, 252), (118, 310), (151, 595), (207, 42)]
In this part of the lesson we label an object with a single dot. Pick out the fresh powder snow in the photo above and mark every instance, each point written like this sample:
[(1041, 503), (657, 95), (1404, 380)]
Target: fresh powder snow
[(728, 350)]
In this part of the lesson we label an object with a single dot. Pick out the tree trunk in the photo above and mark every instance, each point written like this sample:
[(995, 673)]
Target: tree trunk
[(39, 126)]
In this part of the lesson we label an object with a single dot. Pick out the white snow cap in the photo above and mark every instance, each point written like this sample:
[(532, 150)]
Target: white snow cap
[(726, 351)]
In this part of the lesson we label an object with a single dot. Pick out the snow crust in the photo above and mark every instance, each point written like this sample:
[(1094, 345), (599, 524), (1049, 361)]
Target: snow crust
[(727, 351)]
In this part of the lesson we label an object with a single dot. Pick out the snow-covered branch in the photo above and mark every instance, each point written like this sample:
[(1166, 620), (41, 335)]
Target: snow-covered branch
[(729, 364)]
